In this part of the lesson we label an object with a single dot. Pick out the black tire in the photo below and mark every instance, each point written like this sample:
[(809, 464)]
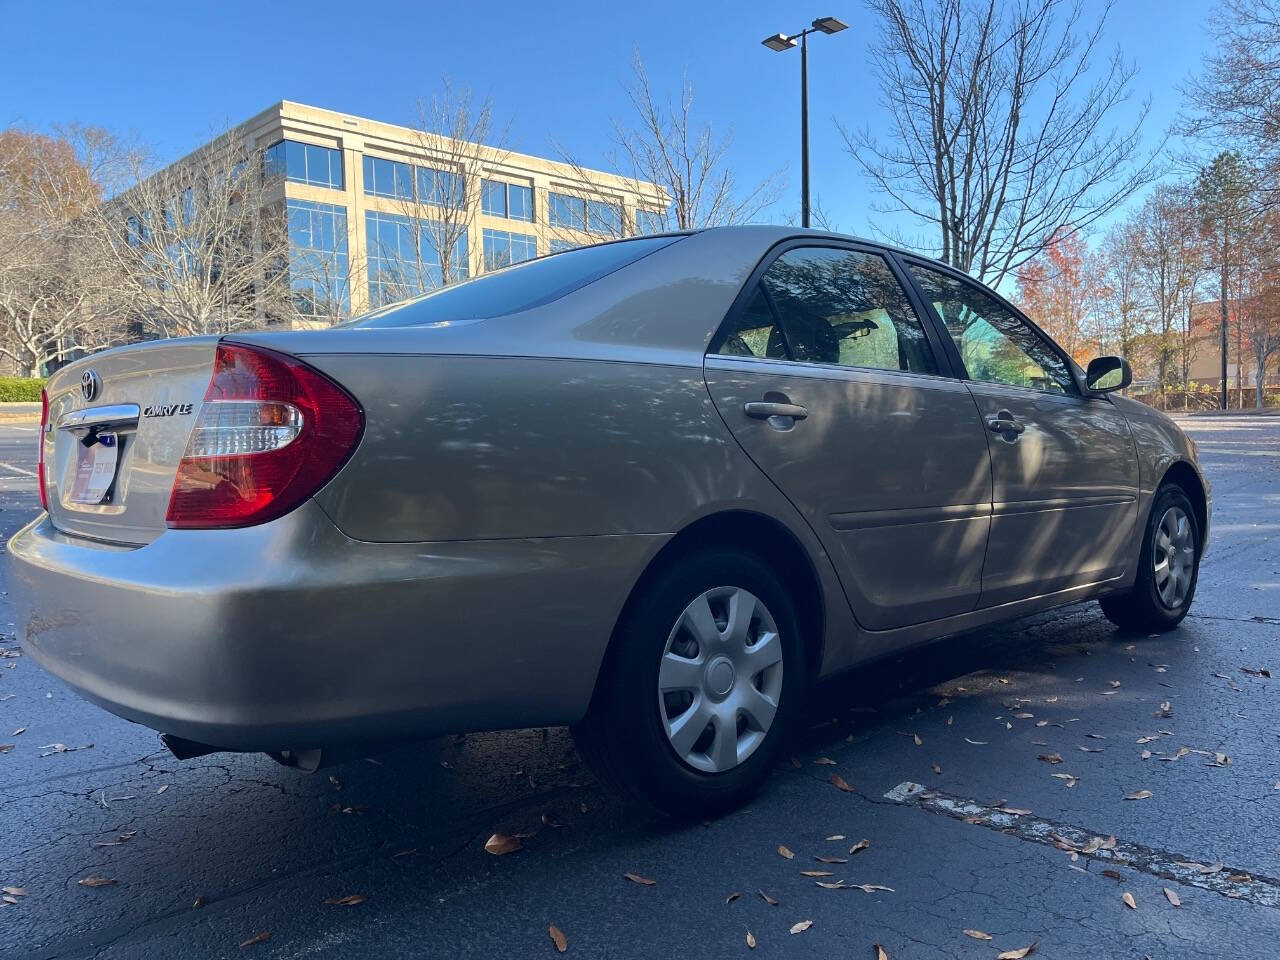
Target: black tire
[(1141, 608), (623, 737)]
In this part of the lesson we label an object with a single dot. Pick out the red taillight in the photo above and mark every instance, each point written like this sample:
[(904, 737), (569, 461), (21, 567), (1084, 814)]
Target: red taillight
[(44, 426), (272, 431)]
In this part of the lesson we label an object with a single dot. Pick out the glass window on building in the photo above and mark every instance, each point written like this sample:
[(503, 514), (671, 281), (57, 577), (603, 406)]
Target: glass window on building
[(510, 200), (388, 178), (502, 248), (441, 188), (560, 246), (318, 259), (604, 218), (566, 211), (650, 221), (304, 163), (404, 258)]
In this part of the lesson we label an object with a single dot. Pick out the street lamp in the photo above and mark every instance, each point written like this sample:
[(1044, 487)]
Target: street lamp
[(780, 42)]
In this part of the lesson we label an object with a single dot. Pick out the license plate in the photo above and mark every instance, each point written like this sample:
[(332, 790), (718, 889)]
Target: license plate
[(95, 469)]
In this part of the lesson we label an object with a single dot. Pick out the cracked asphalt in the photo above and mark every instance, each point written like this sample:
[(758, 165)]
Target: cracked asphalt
[(261, 848)]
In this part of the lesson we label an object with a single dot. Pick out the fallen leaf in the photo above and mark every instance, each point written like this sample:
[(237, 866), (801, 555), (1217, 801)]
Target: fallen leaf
[(916, 738), (860, 846), (557, 937), (978, 935), (976, 743), (1172, 897), (751, 940), (869, 887), (881, 954), (643, 881), (5, 747), (784, 852), (18, 732), (550, 820), (1113, 874), (262, 937), (1016, 811), (96, 882), (831, 859), (838, 885), (1139, 795), (1089, 749), (935, 768), (1018, 954), (816, 873), (767, 899), (836, 836), (840, 782), (1050, 757), (350, 900), (162, 789), (197, 903), (825, 762), (1129, 902), (732, 897), (802, 926), (502, 843)]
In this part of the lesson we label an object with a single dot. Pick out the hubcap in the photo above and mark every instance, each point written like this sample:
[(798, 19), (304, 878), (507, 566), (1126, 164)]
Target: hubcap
[(720, 679), (1174, 557)]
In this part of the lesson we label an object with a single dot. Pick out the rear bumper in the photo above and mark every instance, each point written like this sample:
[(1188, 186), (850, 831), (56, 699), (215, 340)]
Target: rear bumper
[(289, 634)]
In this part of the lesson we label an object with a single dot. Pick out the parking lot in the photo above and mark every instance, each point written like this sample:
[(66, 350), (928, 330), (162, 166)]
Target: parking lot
[(1087, 792)]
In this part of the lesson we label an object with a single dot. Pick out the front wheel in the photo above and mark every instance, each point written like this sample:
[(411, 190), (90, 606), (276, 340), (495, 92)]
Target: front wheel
[(1168, 568), (700, 689)]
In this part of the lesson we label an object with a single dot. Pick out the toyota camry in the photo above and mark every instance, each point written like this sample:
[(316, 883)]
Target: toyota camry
[(654, 489)]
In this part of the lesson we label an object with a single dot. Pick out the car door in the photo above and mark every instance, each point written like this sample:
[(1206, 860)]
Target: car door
[(834, 387), (1063, 465)]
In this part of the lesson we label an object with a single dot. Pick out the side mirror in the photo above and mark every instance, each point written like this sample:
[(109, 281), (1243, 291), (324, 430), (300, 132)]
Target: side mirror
[(1106, 374)]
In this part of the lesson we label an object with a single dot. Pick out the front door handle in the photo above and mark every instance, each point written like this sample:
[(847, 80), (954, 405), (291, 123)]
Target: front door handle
[(1005, 424), (765, 409)]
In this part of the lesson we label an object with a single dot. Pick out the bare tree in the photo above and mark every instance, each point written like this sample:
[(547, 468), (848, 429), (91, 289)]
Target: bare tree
[(200, 247), (49, 303), (663, 144), (999, 137), (461, 142), (1258, 284), (1124, 313), (1169, 260), (1236, 94)]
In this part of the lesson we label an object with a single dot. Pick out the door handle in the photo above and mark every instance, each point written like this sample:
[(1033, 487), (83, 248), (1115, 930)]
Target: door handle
[(765, 409), (1005, 424)]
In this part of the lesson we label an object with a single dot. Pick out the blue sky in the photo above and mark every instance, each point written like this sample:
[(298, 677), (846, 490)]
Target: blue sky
[(171, 73)]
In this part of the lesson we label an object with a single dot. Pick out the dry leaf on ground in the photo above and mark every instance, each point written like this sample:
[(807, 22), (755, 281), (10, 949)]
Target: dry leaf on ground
[(767, 899), (262, 937), (841, 783), (1129, 902), (350, 900), (1173, 897), (732, 897), (784, 852), (751, 940), (881, 954), (643, 881), (96, 882), (802, 926), (1139, 795), (860, 846), (557, 937), (1019, 954), (978, 935), (502, 843)]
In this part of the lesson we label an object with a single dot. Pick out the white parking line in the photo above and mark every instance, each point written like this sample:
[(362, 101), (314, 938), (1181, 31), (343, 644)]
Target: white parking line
[(17, 470), (1235, 884)]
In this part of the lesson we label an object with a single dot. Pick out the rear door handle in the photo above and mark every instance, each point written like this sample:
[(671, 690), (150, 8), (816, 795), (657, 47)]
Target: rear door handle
[(1005, 424), (764, 409)]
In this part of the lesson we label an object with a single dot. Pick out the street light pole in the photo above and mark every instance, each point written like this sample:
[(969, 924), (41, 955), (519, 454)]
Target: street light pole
[(804, 128), (780, 42)]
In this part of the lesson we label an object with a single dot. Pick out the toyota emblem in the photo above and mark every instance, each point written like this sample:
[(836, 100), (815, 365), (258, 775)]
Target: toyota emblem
[(90, 384)]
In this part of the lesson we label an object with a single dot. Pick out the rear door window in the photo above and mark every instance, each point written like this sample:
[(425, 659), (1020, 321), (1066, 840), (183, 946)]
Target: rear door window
[(833, 306)]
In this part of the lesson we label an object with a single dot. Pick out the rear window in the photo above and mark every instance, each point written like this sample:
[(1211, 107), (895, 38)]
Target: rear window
[(521, 286)]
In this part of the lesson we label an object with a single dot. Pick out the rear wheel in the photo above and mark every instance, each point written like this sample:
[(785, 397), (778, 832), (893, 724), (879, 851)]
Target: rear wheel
[(1168, 568), (701, 686)]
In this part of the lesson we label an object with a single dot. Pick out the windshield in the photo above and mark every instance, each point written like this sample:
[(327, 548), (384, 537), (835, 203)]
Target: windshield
[(521, 286)]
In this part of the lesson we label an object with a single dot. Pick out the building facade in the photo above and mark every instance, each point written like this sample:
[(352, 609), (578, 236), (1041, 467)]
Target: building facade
[(371, 205)]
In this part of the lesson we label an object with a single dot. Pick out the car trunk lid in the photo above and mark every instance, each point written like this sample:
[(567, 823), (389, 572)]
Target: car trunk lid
[(141, 400)]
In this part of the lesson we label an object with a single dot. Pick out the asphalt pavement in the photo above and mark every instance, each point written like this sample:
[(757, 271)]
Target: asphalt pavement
[(1030, 739)]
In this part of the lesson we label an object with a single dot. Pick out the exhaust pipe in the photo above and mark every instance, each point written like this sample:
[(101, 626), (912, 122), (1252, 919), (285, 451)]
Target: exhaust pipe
[(304, 761)]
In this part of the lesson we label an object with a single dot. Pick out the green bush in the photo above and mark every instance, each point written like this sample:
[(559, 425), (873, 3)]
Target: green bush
[(20, 389)]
